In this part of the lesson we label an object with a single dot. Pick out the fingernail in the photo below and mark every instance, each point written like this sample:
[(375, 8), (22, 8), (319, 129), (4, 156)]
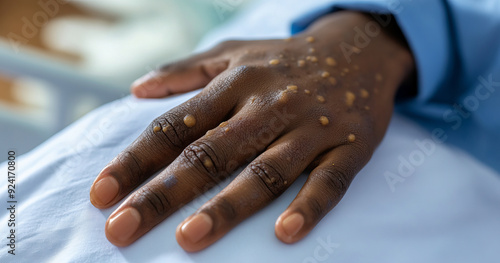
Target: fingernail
[(140, 86), (123, 225), (197, 227), (139, 93), (292, 224), (140, 80), (105, 190)]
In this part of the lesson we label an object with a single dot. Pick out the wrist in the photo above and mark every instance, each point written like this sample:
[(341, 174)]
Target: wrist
[(360, 40)]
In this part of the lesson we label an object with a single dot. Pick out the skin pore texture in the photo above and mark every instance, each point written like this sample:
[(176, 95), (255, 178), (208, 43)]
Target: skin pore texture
[(283, 106)]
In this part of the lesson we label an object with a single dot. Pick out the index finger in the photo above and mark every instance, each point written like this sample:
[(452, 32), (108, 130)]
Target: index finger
[(161, 143)]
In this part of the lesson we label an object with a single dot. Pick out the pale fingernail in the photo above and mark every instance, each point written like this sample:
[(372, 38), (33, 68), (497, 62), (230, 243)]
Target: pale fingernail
[(139, 93), (292, 224), (140, 86), (141, 80), (197, 227), (123, 225), (104, 190)]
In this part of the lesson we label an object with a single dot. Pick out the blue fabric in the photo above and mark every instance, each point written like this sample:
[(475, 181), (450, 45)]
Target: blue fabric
[(456, 45)]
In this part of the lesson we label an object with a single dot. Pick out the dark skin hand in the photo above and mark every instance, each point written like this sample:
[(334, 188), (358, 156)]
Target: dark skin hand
[(284, 106)]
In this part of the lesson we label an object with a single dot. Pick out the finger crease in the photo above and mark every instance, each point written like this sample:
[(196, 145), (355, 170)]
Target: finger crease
[(137, 164), (153, 205), (266, 179), (190, 151), (209, 156), (166, 135), (176, 134)]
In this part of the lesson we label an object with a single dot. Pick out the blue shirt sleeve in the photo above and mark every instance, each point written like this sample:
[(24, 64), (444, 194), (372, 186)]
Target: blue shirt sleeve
[(456, 45)]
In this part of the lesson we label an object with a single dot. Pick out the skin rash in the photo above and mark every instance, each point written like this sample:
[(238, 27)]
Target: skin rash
[(277, 107)]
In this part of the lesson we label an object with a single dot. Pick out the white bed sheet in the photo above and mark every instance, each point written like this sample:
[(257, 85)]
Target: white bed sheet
[(446, 211)]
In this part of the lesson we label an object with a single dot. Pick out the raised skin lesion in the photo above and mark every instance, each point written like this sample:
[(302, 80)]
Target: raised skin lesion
[(313, 59), (320, 99), (292, 88), (310, 39), (207, 162), (325, 74), (324, 120), (364, 93), (349, 98), (283, 96), (333, 81), (274, 62), (189, 120), (351, 137), (331, 61), (210, 132)]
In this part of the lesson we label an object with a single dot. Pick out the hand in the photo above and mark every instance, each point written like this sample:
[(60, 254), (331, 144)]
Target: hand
[(284, 105)]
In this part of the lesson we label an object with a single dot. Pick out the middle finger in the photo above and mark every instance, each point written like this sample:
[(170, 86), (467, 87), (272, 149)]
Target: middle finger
[(201, 165), (267, 177)]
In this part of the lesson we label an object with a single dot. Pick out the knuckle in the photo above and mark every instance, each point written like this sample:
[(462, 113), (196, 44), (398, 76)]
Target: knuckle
[(247, 72), (244, 74), (166, 129), (362, 150), (337, 180), (205, 157), (132, 166), (156, 201), (270, 176)]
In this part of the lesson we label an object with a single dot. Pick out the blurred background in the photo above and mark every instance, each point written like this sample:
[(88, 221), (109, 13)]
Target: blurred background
[(59, 59)]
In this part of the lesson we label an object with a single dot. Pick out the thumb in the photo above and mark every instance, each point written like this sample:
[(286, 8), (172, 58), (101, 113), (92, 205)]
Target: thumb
[(180, 77)]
